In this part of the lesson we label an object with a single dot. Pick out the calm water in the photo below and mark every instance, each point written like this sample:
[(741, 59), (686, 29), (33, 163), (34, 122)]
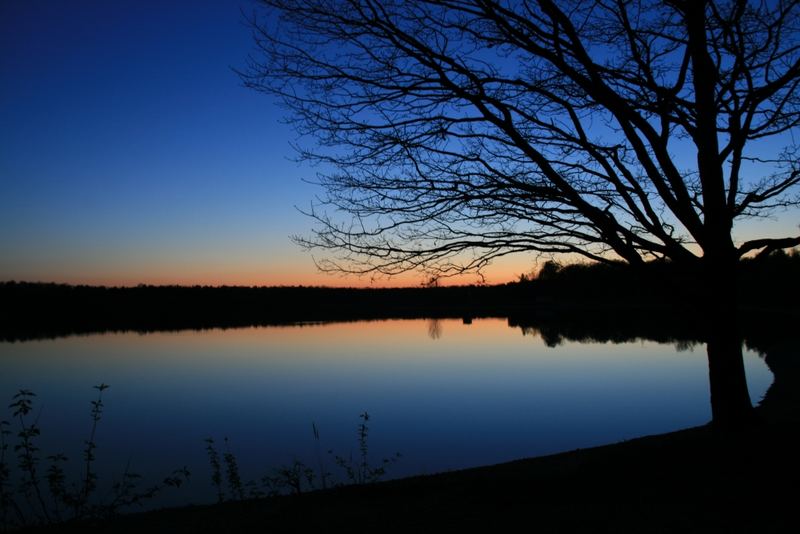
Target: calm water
[(444, 394)]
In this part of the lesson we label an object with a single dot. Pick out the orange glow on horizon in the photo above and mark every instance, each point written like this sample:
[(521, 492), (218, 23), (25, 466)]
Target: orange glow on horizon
[(248, 278), (278, 268)]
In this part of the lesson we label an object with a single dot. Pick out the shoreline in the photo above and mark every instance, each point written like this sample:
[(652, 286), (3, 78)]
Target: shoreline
[(692, 480)]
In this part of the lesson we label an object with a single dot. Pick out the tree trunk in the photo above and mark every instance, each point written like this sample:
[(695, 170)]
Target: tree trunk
[(730, 401)]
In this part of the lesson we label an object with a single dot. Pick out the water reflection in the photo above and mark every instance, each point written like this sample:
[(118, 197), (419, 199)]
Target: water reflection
[(434, 328), (480, 394)]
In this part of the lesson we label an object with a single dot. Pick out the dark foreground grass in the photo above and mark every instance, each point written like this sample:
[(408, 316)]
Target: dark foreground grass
[(695, 480)]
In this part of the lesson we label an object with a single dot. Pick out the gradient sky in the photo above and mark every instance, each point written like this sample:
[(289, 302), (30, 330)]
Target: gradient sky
[(130, 153)]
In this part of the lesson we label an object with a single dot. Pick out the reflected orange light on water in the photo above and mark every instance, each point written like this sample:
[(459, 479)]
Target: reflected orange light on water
[(444, 393)]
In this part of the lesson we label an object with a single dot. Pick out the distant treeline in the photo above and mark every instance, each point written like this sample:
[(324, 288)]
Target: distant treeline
[(30, 310), (36, 310)]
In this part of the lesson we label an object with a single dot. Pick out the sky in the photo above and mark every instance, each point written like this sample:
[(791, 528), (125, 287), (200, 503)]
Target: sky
[(130, 152)]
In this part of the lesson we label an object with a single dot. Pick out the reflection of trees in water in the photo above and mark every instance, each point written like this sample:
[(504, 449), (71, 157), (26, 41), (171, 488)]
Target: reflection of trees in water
[(685, 345), (730, 399), (782, 356), (553, 337), (434, 328), (550, 338), (723, 337)]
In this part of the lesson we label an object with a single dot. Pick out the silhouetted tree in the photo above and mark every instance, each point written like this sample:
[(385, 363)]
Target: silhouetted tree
[(454, 132)]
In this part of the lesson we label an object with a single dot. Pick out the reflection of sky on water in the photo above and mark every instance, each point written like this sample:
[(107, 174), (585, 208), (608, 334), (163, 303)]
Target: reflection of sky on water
[(477, 394)]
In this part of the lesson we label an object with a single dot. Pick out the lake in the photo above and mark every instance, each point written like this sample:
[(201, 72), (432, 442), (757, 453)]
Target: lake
[(444, 394)]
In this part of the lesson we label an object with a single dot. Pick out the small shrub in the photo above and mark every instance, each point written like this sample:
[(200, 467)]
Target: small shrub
[(361, 471)]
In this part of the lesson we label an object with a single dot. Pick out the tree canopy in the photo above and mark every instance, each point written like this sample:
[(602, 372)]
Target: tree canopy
[(454, 132)]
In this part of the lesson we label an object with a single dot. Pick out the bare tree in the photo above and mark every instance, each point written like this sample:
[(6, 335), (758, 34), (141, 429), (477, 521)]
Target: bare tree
[(453, 132), (460, 131)]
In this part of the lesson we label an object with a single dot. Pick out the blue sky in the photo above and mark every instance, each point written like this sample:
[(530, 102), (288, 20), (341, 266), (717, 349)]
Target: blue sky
[(130, 153)]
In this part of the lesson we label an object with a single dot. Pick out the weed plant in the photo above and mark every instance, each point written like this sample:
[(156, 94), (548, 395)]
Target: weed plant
[(360, 471), (38, 491), (29, 498), (297, 478)]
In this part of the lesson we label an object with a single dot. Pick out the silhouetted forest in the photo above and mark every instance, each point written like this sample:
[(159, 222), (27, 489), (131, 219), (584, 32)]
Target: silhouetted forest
[(602, 292)]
